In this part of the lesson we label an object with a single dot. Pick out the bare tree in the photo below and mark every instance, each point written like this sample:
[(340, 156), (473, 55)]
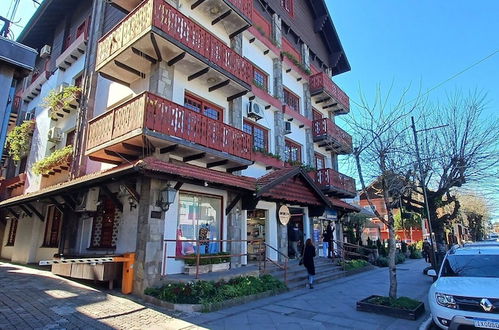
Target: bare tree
[(465, 150), (380, 132)]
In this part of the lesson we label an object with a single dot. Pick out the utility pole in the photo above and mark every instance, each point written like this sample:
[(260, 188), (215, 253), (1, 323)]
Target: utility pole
[(423, 184)]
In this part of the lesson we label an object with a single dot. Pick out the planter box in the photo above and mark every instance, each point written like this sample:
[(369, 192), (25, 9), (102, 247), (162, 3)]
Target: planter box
[(191, 270), (220, 267), (414, 314), (268, 160)]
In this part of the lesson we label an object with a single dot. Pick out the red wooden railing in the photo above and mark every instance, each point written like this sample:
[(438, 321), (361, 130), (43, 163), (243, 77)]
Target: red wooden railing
[(327, 178), (321, 81), (161, 15), (245, 6), (161, 115), (262, 24), (325, 127)]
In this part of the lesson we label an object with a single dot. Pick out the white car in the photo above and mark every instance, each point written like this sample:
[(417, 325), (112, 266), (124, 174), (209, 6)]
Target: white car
[(466, 292)]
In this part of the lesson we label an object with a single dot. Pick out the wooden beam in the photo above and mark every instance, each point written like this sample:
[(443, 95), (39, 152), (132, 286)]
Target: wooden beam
[(198, 74), (194, 157), (131, 190), (176, 59), (28, 212), (235, 96), (112, 197), (103, 160), (323, 100), (178, 185), (197, 3), (168, 149), (330, 106), (265, 52), (132, 147), (288, 70), (144, 55), (232, 204), (156, 47), (116, 80), (221, 17), (129, 69), (35, 211), (252, 40), (14, 214), (218, 163), (57, 204), (124, 156), (219, 85), (238, 168), (235, 33)]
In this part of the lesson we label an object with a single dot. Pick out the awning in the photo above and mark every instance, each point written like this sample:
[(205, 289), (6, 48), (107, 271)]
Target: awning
[(343, 206)]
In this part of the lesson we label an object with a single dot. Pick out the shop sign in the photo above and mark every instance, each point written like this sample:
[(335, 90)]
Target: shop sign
[(331, 214), (284, 215)]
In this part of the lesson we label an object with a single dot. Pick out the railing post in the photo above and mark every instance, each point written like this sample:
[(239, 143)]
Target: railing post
[(264, 257), (197, 258)]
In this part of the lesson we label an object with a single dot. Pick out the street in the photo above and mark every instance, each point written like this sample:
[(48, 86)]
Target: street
[(31, 298)]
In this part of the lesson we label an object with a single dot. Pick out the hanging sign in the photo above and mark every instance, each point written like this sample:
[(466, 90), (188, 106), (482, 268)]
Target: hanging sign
[(284, 215), (331, 214)]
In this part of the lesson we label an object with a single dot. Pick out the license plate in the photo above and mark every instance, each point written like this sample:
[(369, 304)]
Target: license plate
[(488, 324)]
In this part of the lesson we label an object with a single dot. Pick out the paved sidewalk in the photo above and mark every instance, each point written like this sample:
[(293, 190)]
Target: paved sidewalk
[(34, 299), (330, 305)]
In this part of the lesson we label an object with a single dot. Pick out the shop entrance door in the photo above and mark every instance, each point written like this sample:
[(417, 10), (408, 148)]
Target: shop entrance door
[(295, 221), (256, 234)]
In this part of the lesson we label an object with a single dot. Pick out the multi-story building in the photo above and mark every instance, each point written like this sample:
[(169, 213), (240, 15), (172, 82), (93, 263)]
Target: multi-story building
[(196, 120)]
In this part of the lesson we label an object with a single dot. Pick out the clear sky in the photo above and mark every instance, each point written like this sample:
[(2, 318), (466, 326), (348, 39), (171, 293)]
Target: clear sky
[(406, 43)]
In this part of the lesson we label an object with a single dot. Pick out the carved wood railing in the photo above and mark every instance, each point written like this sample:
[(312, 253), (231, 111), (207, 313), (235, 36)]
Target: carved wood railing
[(324, 127), (330, 178), (321, 81)]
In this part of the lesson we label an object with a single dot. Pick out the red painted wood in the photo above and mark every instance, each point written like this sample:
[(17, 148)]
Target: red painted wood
[(325, 127), (328, 177), (321, 81)]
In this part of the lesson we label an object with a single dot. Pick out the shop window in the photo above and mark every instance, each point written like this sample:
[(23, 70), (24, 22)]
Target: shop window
[(288, 6), (320, 161), (53, 223), (260, 79), (317, 114), (200, 218), (206, 108), (11, 239), (105, 225), (292, 152), (291, 100), (260, 135)]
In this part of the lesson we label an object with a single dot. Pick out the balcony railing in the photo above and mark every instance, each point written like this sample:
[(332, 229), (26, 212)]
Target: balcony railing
[(158, 14), (334, 182), (151, 112), (320, 82), (325, 130)]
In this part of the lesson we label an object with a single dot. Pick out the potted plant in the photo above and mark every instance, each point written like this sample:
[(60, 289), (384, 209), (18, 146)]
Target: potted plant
[(57, 101), (19, 140), (57, 158), (220, 262)]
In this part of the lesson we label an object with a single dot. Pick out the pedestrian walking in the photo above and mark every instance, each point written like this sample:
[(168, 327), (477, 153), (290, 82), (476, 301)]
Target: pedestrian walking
[(294, 236), (308, 261), (327, 237), (426, 250)]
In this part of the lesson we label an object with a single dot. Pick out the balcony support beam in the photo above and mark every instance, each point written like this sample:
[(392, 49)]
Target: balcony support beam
[(221, 17), (238, 168), (323, 100), (156, 47), (168, 149), (176, 59), (196, 4), (132, 147), (144, 55), (103, 160), (129, 69), (219, 85), (58, 205), (14, 214), (35, 211), (116, 80), (117, 203), (198, 74), (235, 96), (28, 212), (68, 201), (126, 157), (218, 163), (232, 204), (330, 106), (194, 157), (235, 33), (131, 190)]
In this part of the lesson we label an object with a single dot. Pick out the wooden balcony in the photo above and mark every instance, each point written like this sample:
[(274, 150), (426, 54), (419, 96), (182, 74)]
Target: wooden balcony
[(331, 136), (326, 94), (35, 86), (12, 187), (155, 31), (147, 121), (335, 183)]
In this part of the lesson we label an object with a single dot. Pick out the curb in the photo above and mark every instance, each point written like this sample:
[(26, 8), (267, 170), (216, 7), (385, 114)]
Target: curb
[(426, 324)]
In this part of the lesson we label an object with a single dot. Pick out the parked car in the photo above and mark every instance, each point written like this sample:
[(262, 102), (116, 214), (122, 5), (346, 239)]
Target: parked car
[(466, 292)]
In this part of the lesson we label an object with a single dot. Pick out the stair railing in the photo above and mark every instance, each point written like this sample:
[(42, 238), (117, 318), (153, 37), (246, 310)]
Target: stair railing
[(344, 247), (283, 266)]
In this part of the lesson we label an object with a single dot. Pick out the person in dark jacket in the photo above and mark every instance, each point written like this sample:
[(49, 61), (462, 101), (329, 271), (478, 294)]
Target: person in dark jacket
[(308, 261)]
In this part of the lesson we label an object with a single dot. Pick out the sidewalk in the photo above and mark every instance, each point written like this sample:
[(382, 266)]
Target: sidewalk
[(329, 305)]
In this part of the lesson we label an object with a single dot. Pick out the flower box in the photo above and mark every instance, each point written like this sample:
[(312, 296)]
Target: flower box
[(268, 160), (191, 270), (409, 314), (220, 267)]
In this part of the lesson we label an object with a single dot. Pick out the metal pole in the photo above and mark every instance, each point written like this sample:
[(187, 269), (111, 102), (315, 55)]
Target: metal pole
[(423, 185)]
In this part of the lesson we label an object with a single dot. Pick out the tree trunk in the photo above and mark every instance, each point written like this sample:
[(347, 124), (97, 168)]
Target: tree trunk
[(392, 270)]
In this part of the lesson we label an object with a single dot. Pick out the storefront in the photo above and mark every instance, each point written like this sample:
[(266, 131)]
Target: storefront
[(256, 225)]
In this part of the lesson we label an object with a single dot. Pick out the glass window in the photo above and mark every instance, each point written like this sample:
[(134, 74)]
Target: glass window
[(209, 110), (320, 162), (291, 100), (482, 265), (260, 135), (259, 78), (12, 232), (288, 6), (199, 219), (292, 152), (52, 227)]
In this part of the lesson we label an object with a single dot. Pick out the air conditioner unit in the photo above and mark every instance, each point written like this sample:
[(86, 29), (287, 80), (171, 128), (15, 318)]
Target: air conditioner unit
[(45, 51), (55, 134), (255, 111), (88, 201), (287, 127)]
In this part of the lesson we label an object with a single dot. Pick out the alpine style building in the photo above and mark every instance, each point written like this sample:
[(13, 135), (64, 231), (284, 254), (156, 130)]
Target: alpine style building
[(167, 128)]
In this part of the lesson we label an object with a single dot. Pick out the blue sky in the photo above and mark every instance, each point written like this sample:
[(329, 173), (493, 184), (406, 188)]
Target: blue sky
[(406, 43)]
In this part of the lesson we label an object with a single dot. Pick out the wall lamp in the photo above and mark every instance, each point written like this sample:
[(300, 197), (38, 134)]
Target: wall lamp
[(166, 198)]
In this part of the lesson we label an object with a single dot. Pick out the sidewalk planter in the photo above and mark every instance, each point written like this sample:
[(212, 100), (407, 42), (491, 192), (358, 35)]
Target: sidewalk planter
[(221, 267), (191, 270), (365, 305)]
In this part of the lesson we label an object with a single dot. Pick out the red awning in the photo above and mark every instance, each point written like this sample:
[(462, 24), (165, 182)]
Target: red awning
[(338, 203)]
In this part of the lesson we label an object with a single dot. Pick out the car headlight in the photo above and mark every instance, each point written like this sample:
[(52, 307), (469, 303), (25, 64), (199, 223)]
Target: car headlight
[(445, 300)]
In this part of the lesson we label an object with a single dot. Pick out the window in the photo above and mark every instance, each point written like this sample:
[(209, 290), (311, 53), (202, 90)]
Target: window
[(317, 114), (70, 137), (53, 224), (320, 161), (292, 152), (291, 100), (78, 80), (288, 6), (200, 218), (260, 135), (260, 79), (199, 105), (105, 225), (11, 239)]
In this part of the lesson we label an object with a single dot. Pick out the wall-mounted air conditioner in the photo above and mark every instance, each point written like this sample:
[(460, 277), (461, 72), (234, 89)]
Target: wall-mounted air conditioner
[(88, 201), (55, 134), (287, 127), (255, 111), (45, 51)]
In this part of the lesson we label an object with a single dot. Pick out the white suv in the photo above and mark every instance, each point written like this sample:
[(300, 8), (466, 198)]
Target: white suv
[(466, 293)]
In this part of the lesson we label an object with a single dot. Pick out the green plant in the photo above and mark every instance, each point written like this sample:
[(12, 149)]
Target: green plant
[(57, 158), (416, 254), (400, 302), (399, 258), (381, 261), (353, 264), (58, 100), (208, 259), (19, 140), (308, 168), (296, 62)]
